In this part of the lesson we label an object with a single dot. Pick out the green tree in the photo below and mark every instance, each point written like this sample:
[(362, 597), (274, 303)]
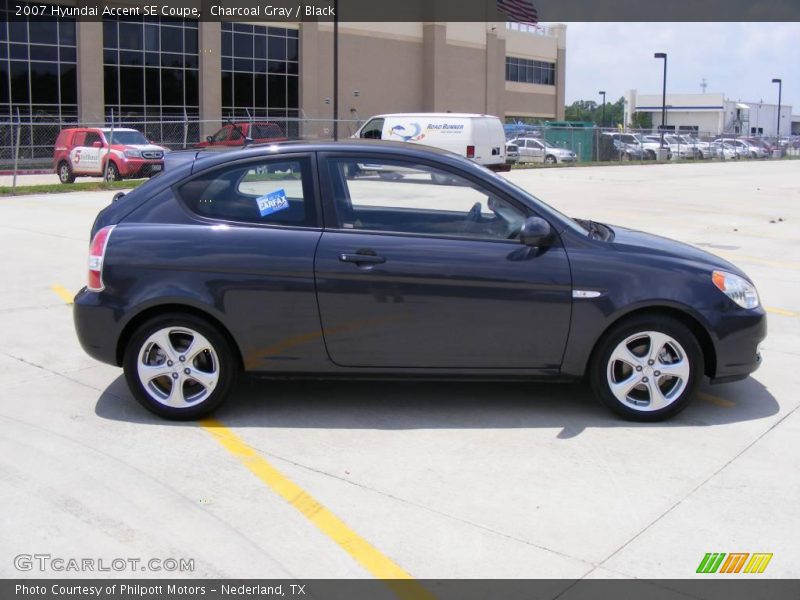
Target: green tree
[(589, 110)]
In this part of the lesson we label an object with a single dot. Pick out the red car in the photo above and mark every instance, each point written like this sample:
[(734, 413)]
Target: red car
[(104, 152), (234, 134)]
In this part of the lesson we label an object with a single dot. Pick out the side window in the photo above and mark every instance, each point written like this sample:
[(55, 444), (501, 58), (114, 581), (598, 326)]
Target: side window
[(79, 139), (236, 133), (404, 197), (91, 138), (373, 130), (272, 191)]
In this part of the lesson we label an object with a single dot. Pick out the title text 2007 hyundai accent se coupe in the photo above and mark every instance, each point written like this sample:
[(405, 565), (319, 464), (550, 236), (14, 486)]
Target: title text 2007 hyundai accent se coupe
[(387, 260)]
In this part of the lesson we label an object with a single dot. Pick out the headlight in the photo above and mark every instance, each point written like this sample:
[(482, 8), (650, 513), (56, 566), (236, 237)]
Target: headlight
[(736, 288), (133, 153)]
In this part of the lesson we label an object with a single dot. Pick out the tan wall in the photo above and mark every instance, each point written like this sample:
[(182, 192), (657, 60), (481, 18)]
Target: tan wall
[(386, 72), (91, 91), (209, 88), (423, 67)]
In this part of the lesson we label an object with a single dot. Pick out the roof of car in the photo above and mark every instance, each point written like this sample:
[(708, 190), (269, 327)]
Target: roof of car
[(344, 144), (439, 115)]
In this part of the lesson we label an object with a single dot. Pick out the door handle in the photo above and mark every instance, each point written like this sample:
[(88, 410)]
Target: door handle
[(362, 259)]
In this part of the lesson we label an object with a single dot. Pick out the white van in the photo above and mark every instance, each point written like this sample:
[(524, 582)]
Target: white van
[(478, 137)]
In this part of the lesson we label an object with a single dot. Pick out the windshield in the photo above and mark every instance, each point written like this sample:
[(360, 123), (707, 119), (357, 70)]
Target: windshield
[(127, 138)]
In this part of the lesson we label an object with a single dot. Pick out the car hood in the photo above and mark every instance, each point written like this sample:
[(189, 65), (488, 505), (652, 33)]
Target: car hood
[(655, 245)]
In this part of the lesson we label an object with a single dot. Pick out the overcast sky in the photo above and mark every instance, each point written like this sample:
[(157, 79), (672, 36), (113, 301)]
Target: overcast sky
[(737, 59)]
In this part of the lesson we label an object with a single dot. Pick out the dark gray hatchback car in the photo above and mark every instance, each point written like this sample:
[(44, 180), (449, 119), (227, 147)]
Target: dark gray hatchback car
[(389, 260)]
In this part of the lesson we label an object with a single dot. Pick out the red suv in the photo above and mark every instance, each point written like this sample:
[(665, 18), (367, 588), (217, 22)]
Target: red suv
[(234, 134), (104, 152)]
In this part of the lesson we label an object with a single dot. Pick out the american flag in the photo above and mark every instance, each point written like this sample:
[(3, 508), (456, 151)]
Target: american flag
[(519, 11)]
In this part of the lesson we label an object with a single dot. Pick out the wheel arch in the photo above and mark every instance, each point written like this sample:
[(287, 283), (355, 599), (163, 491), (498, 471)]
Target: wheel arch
[(695, 326), (154, 311)]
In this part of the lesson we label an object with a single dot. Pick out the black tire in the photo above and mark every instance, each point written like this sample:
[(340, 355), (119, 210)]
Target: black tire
[(651, 155), (601, 366), (111, 172), (225, 374), (64, 172), (550, 160)]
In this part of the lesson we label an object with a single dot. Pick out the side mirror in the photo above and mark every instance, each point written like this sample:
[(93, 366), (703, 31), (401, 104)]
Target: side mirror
[(97, 144), (536, 233), (209, 138)]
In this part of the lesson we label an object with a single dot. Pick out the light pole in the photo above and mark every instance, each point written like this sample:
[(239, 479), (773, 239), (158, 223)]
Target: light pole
[(603, 120), (780, 85), (663, 95)]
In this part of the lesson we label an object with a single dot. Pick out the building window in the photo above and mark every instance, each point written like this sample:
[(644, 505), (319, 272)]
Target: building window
[(38, 78), (530, 71), (260, 68), (151, 76)]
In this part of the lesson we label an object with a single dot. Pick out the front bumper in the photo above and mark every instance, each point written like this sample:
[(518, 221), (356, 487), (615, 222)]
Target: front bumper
[(739, 334), (139, 167)]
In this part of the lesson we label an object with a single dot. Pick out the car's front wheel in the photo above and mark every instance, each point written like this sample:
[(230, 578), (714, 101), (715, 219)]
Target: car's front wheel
[(647, 368), (112, 172), (550, 159), (179, 367)]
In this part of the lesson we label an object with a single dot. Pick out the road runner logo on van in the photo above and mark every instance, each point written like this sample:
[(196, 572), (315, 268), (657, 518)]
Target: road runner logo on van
[(446, 127), (403, 133)]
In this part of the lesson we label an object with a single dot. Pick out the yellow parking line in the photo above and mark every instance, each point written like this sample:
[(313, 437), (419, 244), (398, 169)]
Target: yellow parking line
[(357, 547), (62, 292), (781, 311), (716, 400)]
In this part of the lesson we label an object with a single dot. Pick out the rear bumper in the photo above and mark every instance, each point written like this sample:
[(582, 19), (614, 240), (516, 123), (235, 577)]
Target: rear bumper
[(96, 327)]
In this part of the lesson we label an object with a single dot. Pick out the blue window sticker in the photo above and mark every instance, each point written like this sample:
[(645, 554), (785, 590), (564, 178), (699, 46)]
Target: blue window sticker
[(272, 202)]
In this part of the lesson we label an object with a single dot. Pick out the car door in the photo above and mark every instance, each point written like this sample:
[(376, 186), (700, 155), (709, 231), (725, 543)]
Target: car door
[(415, 274), (86, 155), (535, 150)]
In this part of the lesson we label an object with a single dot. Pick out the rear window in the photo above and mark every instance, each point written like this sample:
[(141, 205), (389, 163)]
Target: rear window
[(268, 192)]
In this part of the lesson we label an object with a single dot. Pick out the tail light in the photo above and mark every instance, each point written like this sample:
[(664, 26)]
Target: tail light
[(97, 252), (470, 151)]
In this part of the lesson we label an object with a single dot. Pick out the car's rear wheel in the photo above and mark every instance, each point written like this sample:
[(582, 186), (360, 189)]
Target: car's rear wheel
[(112, 172), (179, 367), (647, 368), (65, 174)]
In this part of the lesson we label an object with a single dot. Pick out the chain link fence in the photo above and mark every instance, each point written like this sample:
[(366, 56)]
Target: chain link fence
[(29, 144)]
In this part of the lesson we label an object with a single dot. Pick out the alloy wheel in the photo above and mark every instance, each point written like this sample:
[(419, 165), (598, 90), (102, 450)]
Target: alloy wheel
[(178, 367), (648, 371)]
